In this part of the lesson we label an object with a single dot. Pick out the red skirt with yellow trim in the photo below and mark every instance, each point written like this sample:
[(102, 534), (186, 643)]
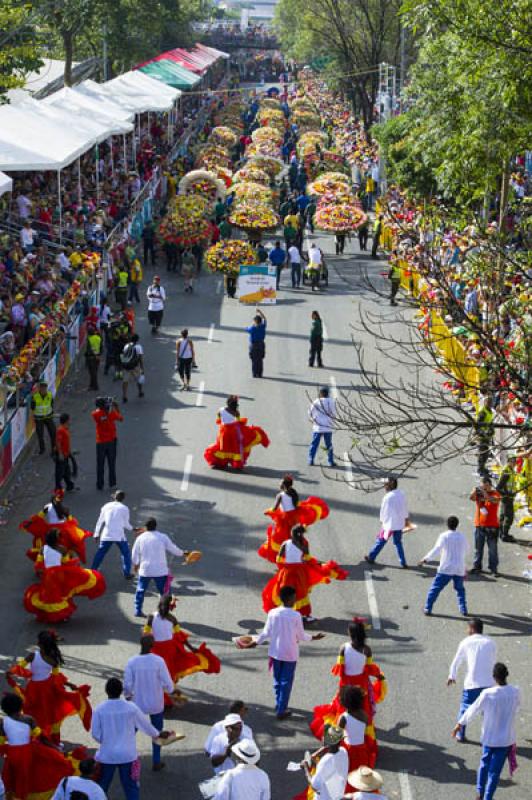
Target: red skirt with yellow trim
[(33, 771), (307, 513), (303, 577), (182, 662), (234, 444), (71, 535), (51, 599), (49, 702)]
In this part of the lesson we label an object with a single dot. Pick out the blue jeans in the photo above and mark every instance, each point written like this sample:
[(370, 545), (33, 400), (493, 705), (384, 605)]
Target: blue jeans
[(468, 698), (489, 536), (439, 583), (144, 582), (327, 438), (104, 548), (397, 537), (130, 787), (157, 720), (296, 275), (283, 679), (491, 764)]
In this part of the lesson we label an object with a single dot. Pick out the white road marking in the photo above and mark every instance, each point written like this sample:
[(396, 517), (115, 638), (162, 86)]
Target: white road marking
[(349, 469), (186, 473), (219, 287), (211, 332), (404, 783), (334, 388), (372, 601), (201, 389), (324, 331)]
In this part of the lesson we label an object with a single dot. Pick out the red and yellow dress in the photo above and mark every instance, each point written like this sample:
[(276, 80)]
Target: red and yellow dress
[(286, 517), (354, 669), (171, 643), (32, 770), (61, 580), (46, 697), (358, 744), (303, 573), (71, 536), (234, 442)]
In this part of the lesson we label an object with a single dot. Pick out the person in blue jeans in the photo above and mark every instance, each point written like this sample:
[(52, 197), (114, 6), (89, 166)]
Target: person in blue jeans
[(115, 723), (452, 549), (149, 561), (393, 518), (322, 414), (284, 629), (499, 706), (111, 528)]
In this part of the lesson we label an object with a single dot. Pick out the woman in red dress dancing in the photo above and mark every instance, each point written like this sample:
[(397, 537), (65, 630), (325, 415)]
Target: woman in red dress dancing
[(235, 438)]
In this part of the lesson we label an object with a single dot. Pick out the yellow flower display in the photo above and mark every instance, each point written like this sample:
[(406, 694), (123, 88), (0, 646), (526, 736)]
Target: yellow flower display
[(254, 216), (249, 172), (339, 217), (223, 136), (227, 256)]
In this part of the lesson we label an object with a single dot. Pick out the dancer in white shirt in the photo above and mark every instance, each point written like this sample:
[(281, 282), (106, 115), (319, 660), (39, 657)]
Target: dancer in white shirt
[(149, 560), (322, 414), (238, 707), (221, 748), (479, 653), (245, 781), (499, 706), (393, 518), (146, 679), (111, 528), (452, 548), (330, 776)]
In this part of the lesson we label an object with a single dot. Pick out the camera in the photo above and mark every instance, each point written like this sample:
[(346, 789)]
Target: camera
[(105, 403)]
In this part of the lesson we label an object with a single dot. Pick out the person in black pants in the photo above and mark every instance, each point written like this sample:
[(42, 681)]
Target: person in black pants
[(105, 416), (363, 233), (257, 345), (148, 238), (339, 241), (316, 340)]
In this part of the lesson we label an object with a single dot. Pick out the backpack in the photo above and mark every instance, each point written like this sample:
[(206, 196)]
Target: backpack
[(129, 358)]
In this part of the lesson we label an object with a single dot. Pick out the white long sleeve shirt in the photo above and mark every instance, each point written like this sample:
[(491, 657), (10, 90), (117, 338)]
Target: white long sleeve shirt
[(322, 413), (394, 511), (78, 784), (284, 629), (498, 706), (330, 777), (479, 652), (156, 296), (114, 726), (218, 728), (219, 746), (244, 782), (113, 522), (149, 553), (452, 548), (146, 679)]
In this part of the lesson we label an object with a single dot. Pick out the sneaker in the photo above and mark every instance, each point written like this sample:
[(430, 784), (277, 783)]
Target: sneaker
[(284, 715), (475, 570), (140, 614), (369, 560), (427, 612), (158, 767)]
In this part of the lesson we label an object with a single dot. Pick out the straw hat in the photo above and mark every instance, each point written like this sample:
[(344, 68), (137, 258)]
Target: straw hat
[(365, 779), (246, 751)]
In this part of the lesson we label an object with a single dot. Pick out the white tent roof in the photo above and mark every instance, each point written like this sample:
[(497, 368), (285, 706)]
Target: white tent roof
[(85, 106), (95, 130), (6, 183), (35, 81), (147, 93)]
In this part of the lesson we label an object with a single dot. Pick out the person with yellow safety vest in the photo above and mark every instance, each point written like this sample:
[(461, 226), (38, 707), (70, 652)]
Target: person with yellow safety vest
[(93, 355), (122, 280), (484, 423), (394, 276), (507, 488), (135, 279), (42, 405)]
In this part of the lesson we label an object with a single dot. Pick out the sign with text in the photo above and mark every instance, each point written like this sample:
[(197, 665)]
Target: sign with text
[(257, 284)]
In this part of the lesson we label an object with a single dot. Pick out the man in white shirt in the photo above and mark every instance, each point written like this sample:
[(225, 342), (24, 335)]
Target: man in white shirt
[(84, 783), (156, 297), (146, 679), (294, 257), (220, 751), (115, 723), (315, 261), (322, 414), (499, 706), (111, 528), (149, 560), (479, 652), (284, 629), (393, 518), (452, 548), (246, 781), (238, 707), (27, 237), (330, 777), (23, 205)]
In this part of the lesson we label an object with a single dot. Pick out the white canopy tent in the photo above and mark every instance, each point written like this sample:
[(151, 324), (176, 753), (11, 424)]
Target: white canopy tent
[(147, 93), (85, 106), (94, 129), (6, 183)]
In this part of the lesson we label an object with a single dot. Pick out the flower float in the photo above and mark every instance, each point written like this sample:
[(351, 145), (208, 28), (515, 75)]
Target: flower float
[(301, 104), (248, 190), (227, 256), (309, 141), (202, 182), (273, 166), (250, 172), (186, 223), (270, 102), (222, 173), (339, 217), (254, 216), (329, 182), (213, 153), (267, 134), (263, 148), (272, 117), (223, 136)]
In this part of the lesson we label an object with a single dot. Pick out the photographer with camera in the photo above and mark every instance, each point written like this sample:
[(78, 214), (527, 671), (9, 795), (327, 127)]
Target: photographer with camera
[(106, 414), (156, 298), (487, 501)]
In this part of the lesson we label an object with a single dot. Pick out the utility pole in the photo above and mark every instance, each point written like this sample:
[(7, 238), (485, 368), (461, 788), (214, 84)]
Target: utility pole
[(402, 65), (104, 54)]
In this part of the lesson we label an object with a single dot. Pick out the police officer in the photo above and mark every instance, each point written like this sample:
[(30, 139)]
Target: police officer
[(507, 488), (395, 281), (93, 355), (484, 435), (42, 405), (119, 332), (121, 287)]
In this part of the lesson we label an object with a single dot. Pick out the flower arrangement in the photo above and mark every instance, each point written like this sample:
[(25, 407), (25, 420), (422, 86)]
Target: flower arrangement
[(250, 172), (308, 141), (263, 148), (339, 217), (329, 182), (301, 104), (248, 190), (202, 182), (267, 134), (254, 216), (212, 153), (324, 162), (186, 222), (227, 256), (223, 136), (273, 166), (270, 102), (272, 117), (222, 173)]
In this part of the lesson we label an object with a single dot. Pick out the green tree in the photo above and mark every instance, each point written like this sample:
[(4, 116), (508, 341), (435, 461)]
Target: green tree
[(66, 20), (19, 45)]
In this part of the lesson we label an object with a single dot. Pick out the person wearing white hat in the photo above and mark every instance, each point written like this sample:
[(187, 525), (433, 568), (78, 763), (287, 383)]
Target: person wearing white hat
[(246, 781), (237, 707), (367, 782), (221, 749)]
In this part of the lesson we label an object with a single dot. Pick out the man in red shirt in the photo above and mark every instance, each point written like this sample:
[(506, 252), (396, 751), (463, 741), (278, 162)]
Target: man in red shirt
[(62, 455), (105, 416), (487, 501)]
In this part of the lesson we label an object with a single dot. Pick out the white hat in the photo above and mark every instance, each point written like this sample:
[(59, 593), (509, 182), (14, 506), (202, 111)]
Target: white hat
[(246, 751), (365, 779), (232, 719)]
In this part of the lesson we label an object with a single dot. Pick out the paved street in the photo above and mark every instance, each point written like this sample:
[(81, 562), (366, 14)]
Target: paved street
[(162, 470)]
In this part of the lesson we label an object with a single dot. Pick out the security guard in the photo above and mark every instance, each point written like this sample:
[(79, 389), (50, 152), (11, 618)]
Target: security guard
[(93, 355), (484, 435), (42, 405), (121, 287), (118, 337), (507, 488), (395, 279)]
